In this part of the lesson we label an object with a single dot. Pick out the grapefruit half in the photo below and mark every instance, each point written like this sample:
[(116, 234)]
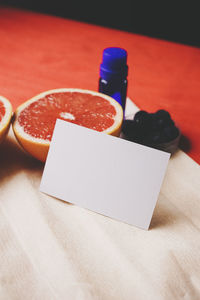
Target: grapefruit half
[(35, 119), (5, 117)]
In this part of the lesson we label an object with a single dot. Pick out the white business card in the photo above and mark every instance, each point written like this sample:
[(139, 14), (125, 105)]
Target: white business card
[(103, 173)]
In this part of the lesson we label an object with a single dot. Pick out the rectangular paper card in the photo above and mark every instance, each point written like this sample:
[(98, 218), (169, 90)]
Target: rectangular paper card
[(103, 173)]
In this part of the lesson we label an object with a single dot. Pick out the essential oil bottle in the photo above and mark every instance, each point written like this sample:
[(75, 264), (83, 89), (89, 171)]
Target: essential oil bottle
[(113, 74)]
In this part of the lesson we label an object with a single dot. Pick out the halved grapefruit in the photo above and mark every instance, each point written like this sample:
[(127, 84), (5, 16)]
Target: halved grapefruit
[(35, 119), (5, 117)]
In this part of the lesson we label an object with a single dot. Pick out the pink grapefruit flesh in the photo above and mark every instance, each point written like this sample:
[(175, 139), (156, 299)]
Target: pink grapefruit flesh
[(35, 119)]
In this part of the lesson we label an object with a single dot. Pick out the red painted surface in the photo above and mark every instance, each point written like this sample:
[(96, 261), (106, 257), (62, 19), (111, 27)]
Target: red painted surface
[(40, 52)]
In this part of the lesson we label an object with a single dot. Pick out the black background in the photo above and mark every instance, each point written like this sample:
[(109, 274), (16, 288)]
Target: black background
[(177, 21)]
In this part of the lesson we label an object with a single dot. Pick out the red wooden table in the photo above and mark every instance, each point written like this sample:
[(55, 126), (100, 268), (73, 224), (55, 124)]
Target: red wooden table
[(40, 52)]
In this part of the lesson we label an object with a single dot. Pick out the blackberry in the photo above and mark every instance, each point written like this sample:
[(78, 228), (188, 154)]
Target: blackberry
[(170, 133), (152, 129), (142, 118), (163, 118), (163, 114), (130, 129)]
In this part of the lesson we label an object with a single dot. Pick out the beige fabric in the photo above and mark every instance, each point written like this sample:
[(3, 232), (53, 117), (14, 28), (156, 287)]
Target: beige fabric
[(53, 250)]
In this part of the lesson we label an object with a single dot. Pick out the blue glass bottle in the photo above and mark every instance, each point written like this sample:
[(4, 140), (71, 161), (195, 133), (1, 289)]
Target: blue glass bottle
[(113, 74)]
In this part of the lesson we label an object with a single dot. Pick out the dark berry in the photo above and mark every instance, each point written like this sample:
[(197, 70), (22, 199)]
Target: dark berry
[(151, 129), (162, 119), (153, 124), (163, 114), (162, 137), (141, 118), (170, 133), (153, 138), (130, 129), (160, 123), (127, 127)]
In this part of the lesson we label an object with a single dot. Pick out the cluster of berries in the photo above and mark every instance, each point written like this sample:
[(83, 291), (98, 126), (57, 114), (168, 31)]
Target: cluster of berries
[(150, 129)]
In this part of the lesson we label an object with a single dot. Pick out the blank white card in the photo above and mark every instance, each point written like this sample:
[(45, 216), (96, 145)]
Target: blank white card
[(106, 174)]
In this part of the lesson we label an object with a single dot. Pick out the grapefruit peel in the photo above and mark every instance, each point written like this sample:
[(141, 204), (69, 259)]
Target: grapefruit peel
[(6, 119)]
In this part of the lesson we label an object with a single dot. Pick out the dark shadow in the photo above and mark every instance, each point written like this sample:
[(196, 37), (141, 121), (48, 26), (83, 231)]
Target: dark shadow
[(159, 219), (58, 199), (13, 159), (185, 144)]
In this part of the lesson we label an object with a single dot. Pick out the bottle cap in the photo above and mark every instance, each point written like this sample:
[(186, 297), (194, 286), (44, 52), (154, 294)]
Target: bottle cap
[(114, 63)]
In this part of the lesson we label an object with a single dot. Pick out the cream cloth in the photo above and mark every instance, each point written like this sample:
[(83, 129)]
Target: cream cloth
[(53, 250)]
